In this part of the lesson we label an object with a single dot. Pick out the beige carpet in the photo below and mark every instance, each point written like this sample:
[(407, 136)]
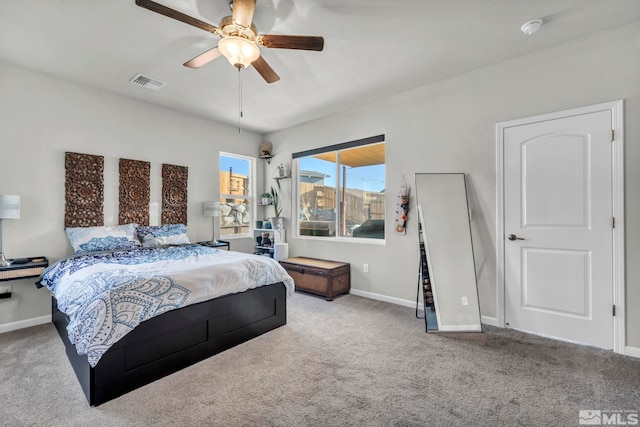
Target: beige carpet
[(350, 362)]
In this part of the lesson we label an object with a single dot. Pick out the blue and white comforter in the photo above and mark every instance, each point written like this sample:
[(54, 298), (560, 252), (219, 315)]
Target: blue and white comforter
[(107, 294)]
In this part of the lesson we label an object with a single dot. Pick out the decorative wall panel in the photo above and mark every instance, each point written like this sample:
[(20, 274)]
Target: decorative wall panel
[(134, 192), (174, 194), (84, 190)]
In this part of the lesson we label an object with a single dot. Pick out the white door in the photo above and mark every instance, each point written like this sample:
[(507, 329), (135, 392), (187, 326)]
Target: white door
[(558, 234)]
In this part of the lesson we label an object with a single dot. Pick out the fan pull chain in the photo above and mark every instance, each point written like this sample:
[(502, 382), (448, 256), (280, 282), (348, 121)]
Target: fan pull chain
[(240, 112)]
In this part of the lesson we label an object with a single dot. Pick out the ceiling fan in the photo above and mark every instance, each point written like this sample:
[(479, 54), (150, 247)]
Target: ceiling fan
[(239, 39)]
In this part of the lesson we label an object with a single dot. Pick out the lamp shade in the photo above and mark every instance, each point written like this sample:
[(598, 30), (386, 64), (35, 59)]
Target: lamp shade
[(9, 207), (239, 51), (211, 208)]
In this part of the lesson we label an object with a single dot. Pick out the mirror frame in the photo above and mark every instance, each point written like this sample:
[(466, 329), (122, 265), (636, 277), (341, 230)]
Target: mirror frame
[(443, 213)]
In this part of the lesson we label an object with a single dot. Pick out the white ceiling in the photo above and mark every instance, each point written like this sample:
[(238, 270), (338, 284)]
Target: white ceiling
[(373, 48)]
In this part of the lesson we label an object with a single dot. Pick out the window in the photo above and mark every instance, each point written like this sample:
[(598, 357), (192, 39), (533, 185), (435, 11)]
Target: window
[(341, 190), (236, 194)]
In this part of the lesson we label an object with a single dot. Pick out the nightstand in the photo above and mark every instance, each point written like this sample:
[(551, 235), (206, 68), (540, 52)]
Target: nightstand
[(33, 267), (220, 244)]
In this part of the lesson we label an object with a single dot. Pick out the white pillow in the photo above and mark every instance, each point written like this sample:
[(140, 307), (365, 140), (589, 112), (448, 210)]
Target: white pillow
[(103, 238), (168, 234)]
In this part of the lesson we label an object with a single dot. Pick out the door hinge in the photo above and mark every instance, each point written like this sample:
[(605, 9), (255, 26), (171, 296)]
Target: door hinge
[(613, 135), (613, 222), (614, 309)]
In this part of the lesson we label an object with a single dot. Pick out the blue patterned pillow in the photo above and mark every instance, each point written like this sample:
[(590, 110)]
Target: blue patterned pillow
[(168, 234), (104, 238)]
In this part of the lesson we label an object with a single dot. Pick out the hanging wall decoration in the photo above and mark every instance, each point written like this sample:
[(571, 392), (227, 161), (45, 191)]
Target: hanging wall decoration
[(84, 190), (134, 192), (174, 194), (402, 208)]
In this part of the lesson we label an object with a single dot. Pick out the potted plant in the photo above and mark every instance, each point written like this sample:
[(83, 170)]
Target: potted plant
[(266, 198), (276, 203), (276, 221)]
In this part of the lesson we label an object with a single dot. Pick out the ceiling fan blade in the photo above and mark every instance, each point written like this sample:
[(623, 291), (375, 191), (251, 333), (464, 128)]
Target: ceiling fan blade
[(203, 58), (265, 70), (243, 11), (292, 42), (164, 10)]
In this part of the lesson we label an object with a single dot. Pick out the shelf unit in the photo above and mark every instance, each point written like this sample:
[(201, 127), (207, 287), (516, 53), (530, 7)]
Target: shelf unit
[(265, 210), (258, 249), (266, 157)]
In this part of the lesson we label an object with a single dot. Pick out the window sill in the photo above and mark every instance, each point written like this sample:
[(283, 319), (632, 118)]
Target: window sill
[(374, 242), (237, 236)]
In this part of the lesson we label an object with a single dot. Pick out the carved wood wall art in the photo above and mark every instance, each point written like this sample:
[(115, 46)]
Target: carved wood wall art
[(134, 192), (84, 190), (174, 194)]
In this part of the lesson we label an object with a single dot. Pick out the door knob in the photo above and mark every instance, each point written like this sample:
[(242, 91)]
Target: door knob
[(514, 237)]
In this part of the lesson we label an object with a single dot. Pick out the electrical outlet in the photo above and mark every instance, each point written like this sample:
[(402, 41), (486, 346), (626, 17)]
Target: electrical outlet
[(365, 268), (465, 301)]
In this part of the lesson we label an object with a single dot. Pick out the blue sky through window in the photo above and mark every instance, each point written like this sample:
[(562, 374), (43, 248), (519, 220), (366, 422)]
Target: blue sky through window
[(240, 166), (368, 178)]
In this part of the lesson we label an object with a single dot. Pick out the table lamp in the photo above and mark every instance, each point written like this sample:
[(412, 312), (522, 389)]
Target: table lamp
[(212, 209), (9, 209)]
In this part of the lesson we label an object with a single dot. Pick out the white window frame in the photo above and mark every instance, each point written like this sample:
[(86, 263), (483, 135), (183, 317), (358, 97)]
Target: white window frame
[(379, 139), (251, 197)]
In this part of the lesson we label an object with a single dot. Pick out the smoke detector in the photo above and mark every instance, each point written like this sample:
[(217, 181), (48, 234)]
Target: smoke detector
[(531, 27)]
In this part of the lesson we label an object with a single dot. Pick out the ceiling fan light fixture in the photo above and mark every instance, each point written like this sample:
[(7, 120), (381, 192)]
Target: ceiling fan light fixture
[(240, 52)]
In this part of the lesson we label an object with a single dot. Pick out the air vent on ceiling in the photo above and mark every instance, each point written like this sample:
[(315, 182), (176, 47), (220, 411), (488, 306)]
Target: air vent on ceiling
[(147, 82)]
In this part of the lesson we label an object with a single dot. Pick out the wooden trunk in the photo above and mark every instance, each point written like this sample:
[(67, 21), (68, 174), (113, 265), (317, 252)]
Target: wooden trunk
[(321, 277)]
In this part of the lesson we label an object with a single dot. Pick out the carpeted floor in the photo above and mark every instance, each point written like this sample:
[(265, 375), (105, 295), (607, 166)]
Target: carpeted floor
[(350, 362)]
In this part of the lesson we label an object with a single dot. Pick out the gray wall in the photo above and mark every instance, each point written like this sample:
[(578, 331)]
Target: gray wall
[(449, 126), (444, 127), (42, 117)]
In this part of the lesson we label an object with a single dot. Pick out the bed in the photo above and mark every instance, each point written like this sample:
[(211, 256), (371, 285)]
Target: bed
[(130, 316)]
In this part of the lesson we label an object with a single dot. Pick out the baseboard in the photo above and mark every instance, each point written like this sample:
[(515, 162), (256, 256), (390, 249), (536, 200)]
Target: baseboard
[(486, 320), (27, 323), (460, 328), (392, 300), (491, 321), (632, 351)]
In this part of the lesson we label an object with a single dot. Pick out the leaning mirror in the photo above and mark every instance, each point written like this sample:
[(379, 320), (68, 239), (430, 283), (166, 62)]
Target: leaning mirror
[(449, 276)]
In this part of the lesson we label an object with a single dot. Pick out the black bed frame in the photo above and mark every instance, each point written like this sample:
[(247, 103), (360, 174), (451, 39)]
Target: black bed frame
[(174, 340)]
